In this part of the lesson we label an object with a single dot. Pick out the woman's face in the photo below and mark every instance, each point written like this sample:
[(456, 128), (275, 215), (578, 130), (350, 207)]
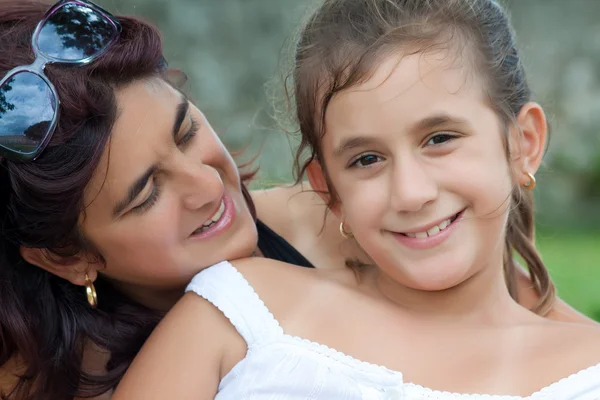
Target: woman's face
[(165, 201)]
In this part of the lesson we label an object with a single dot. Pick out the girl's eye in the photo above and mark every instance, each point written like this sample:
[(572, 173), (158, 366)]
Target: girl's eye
[(439, 139), (365, 160)]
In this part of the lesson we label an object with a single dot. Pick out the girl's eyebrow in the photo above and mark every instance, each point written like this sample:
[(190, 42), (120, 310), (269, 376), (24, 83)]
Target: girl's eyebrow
[(428, 123), (435, 121), (352, 143)]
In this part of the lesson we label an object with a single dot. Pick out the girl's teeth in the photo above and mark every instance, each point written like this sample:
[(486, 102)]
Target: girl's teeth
[(433, 231)]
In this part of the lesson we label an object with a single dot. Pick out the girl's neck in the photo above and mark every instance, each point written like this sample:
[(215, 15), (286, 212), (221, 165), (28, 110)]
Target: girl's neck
[(482, 299)]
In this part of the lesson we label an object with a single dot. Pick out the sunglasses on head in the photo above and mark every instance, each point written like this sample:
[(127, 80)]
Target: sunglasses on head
[(72, 32)]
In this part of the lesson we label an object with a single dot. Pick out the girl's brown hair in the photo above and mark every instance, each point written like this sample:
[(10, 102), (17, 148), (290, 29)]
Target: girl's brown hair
[(344, 40)]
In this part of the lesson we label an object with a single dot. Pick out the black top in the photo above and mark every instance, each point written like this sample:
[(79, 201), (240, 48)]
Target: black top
[(277, 248)]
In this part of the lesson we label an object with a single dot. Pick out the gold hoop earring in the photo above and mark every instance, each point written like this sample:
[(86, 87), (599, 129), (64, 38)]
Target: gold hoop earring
[(531, 184), (90, 291), (345, 235)]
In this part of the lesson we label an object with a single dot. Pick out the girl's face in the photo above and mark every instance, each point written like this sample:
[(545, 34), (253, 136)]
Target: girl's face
[(166, 200), (418, 160)]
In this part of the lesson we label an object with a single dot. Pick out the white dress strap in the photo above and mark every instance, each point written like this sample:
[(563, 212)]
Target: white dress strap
[(227, 289)]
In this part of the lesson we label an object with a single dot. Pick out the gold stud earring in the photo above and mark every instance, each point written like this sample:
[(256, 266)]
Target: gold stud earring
[(345, 235), (531, 184), (90, 291)]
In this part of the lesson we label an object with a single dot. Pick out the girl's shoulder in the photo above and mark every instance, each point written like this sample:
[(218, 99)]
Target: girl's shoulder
[(573, 334), (283, 287), (269, 276), (585, 337), (570, 347)]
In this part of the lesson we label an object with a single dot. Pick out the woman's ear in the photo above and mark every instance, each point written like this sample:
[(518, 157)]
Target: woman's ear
[(528, 141), (318, 182), (72, 269)]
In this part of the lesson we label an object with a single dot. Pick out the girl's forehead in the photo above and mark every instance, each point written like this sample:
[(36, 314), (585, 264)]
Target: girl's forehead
[(440, 70), (410, 84)]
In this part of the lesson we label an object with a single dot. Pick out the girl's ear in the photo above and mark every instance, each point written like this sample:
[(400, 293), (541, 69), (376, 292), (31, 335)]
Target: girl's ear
[(528, 142)]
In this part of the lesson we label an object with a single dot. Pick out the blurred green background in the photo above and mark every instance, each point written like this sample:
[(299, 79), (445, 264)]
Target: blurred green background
[(231, 48)]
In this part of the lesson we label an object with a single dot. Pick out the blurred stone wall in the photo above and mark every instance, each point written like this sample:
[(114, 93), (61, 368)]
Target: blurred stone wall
[(230, 48)]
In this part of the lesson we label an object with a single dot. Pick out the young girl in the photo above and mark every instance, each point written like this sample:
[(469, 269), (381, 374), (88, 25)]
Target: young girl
[(71, 221), (420, 127)]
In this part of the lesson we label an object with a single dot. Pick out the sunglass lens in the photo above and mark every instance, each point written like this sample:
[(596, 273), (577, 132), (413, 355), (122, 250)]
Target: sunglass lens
[(27, 109), (75, 32)]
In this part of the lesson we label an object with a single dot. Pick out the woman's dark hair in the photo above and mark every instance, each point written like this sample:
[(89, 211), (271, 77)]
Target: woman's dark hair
[(342, 44), (46, 323)]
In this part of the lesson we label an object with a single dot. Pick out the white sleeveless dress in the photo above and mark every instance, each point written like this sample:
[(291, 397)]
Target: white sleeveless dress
[(278, 366)]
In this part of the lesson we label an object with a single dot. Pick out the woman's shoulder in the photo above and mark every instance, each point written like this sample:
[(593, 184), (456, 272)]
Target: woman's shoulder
[(300, 216), (289, 209), (278, 195)]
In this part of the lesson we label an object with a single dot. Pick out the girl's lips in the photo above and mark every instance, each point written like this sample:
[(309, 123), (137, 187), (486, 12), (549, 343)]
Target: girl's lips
[(422, 243), (221, 225)]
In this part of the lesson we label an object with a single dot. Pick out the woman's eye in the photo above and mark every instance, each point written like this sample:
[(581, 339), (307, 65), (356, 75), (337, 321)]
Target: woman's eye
[(439, 139), (365, 161), (149, 202), (189, 135)]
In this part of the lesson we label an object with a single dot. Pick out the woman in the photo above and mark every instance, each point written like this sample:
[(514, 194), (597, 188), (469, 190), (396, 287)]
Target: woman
[(132, 195)]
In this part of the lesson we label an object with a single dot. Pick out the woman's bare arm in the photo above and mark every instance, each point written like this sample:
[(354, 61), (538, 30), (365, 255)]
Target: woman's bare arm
[(560, 310)]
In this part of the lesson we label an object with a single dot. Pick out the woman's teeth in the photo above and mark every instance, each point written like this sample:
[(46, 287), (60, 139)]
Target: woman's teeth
[(214, 219), (431, 232)]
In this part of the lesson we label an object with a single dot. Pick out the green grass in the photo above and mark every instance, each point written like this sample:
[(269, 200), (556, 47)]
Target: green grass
[(574, 263)]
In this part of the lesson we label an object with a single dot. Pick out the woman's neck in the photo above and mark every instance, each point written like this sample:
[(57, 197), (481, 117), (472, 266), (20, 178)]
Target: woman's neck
[(158, 298), (161, 300)]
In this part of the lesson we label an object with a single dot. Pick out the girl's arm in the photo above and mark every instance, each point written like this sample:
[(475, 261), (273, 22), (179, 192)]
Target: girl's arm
[(183, 357)]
